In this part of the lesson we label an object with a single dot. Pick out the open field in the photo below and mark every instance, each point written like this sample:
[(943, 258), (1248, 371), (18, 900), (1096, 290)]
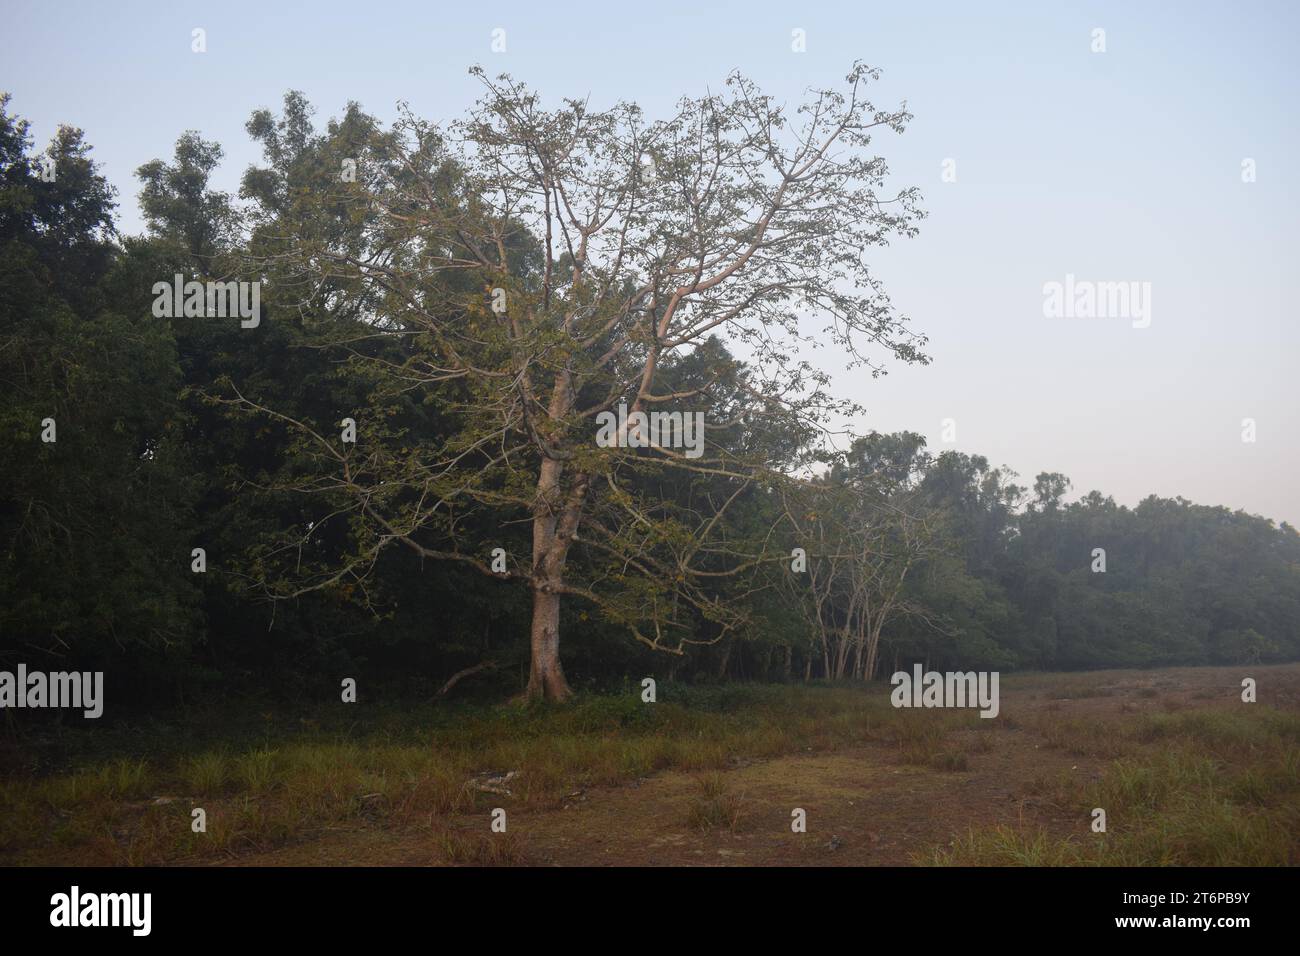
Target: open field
[(1187, 774)]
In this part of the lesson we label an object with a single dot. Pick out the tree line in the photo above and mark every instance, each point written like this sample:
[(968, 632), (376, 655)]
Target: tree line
[(399, 473)]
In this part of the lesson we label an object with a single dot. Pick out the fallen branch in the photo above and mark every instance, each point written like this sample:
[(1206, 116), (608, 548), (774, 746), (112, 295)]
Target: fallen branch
[(457, 677)]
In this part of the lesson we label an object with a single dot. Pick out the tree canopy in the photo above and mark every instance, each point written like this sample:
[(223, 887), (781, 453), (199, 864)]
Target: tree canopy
[(479, 300)]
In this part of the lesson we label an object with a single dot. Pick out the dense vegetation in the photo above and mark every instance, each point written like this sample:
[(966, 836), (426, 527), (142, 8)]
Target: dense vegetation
[(178, 433)]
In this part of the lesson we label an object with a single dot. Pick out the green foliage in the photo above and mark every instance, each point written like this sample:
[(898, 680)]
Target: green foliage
[(95, 524), (156, 455)]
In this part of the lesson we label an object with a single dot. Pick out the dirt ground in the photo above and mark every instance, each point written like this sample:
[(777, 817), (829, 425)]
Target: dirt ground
[(864, 806)]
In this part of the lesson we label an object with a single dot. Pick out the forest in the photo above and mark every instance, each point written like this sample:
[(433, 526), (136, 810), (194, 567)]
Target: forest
[(393, 475)]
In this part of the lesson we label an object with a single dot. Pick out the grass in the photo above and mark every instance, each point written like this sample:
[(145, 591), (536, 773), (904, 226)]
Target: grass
[(1082, 737), (921, 737), (479, 849), (1214, 783), (1211, 788), (292, 779), (716, 806), (950, 762)]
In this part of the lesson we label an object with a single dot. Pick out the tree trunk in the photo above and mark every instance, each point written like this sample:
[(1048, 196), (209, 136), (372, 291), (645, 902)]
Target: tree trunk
[(554, 529), (546, 676), (873, 653)]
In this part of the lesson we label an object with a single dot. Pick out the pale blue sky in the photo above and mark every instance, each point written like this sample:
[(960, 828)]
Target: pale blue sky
[(1124, 165)]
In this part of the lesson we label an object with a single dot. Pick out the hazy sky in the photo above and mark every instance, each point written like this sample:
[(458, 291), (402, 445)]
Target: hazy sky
[(1117, 166)]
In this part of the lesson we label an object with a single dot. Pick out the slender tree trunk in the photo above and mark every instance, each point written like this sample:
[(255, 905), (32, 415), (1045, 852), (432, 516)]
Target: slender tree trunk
[(552, 535), (842, 655)]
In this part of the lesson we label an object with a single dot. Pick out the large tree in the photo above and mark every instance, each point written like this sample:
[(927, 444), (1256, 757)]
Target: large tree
[(529, 270)]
